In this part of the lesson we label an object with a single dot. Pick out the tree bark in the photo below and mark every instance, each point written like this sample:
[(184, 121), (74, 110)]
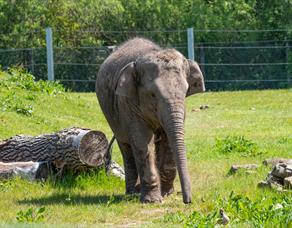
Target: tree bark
[(76, 149), (29, 170)]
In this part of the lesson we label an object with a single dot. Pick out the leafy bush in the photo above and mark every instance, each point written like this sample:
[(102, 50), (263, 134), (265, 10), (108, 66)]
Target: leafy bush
[(19, 88), (260, 212), (241, 210), (19, 78), (13, 103), (31, 215), (236, 144)]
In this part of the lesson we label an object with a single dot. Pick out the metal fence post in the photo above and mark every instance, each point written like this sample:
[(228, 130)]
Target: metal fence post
[(50, 54), (287, 63), (32, 60), (191, 52)]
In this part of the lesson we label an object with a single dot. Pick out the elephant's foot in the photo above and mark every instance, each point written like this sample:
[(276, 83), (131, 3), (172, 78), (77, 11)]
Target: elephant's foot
[(133, 189), (167, 190), (153, 196)]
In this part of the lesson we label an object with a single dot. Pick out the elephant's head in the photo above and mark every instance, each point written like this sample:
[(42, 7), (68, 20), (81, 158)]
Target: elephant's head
[(158, 83)]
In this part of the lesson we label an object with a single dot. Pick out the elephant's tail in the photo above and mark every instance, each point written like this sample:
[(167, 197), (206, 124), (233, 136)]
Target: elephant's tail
[(108, 155)]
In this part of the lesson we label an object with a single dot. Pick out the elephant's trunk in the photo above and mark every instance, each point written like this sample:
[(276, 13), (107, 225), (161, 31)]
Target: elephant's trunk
[(174, 128)]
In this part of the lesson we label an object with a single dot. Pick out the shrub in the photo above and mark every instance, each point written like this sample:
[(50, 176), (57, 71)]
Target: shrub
[(260, 212), (12, 103), (236, 144), (19, 89), (31, 215), (19, 78)]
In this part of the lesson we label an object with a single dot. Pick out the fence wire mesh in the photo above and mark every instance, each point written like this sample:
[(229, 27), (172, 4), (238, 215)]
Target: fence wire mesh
[(229, 59)]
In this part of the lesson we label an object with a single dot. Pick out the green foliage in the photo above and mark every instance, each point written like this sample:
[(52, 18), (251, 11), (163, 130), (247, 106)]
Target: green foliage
[(19, 88), (259, 212), (236, 144), (19, 78), (13, 103), (241, 210), (96, 23), (70, 17), (6, 185), (31, 215)]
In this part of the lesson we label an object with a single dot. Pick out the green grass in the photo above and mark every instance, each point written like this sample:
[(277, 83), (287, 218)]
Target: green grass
[(261, 117)]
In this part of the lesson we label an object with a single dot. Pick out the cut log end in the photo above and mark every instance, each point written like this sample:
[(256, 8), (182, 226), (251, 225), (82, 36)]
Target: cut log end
[(92, 148)]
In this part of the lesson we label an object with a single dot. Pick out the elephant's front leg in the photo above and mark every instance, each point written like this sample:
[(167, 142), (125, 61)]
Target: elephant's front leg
[(131, 173), (165, 163), (142, 143)]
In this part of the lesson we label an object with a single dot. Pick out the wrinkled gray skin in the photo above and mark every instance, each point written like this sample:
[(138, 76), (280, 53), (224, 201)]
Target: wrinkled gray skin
[(141, 89)]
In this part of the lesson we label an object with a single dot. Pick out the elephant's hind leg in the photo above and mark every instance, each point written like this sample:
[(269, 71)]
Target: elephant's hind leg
[(165, 163), (131, 173)]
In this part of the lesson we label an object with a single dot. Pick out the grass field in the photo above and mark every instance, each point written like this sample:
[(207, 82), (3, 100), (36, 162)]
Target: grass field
[(263, 117)]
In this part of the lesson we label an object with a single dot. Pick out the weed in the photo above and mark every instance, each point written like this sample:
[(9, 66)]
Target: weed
[(261, 211), (241, 210), (284, 140), (17, 83), (11, 102), (31, 215), (236, 144), (6, 185)]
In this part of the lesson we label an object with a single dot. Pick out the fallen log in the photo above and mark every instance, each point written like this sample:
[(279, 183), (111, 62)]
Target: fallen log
[(42, 170), (76, 149), (29, 170)]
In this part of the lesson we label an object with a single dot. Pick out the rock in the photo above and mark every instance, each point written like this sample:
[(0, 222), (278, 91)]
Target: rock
[(235, 168), (288, 182), (281, 175), (277, 206), (195, 110), (224, 220), (117, 170), (202, 107), (263, 184), (274, 161), (282, 170), (274, 180)]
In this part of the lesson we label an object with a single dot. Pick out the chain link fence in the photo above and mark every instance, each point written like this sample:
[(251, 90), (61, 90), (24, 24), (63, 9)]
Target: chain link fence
[(229, 59)]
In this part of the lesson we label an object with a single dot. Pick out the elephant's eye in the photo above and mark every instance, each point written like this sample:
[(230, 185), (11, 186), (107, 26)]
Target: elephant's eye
[(152, 95)]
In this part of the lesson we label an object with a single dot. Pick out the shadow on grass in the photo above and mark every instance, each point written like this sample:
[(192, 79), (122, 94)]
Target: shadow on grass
[(75, 199)]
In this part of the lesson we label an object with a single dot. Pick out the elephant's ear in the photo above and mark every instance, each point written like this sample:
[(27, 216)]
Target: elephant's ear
[(126, 85), (195, 79)]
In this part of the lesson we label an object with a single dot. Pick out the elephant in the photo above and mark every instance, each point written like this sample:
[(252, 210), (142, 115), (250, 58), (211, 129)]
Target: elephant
[(141, 89)]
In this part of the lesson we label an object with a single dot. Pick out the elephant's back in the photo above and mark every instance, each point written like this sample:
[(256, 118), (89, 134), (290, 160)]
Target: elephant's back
[(127, 52)]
